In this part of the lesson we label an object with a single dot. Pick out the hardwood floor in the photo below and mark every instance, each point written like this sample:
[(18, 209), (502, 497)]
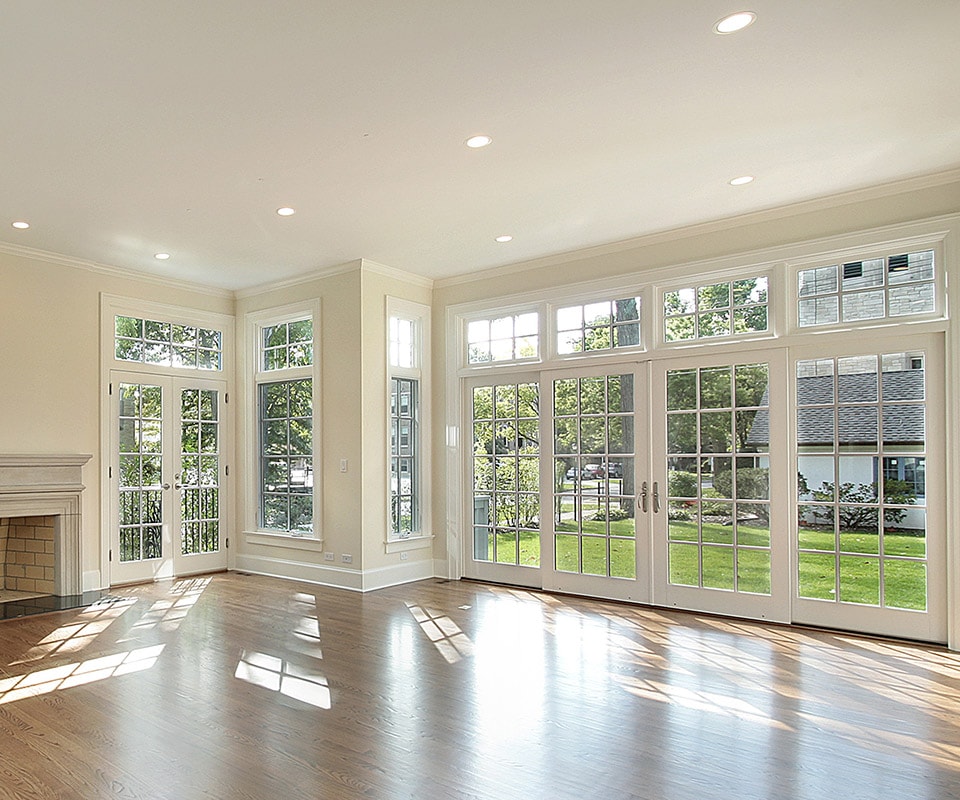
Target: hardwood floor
[(243, 687)]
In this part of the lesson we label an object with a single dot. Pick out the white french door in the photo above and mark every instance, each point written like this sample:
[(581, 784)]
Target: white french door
[(720, 477), (870, 501), (502, 542), (167, 470), (594, 529), (801, 486)]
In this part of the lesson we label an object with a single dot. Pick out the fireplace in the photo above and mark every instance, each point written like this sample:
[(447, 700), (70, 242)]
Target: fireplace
[(40, 522)]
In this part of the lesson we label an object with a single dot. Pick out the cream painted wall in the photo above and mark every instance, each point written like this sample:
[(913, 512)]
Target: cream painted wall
[(337, 437), (50, 362), (857, 211), (352, 426)]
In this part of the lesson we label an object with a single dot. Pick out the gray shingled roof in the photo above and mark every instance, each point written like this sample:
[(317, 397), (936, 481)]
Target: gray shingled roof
[(902, 424)]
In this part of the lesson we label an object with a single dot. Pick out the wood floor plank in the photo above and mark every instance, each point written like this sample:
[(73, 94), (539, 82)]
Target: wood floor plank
[(244, 687)]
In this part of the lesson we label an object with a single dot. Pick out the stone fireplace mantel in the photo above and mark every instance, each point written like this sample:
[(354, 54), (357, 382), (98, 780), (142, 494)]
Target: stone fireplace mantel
[(48, 485)]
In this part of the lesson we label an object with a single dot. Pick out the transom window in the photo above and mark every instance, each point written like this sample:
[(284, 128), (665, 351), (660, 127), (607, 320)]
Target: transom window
[(289, 344), (715, 309), (509, 338), (857, 291), (602, 325), (167, 344)]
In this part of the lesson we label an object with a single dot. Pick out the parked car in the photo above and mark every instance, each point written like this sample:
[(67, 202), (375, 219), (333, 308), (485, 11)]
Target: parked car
[(589, 472)]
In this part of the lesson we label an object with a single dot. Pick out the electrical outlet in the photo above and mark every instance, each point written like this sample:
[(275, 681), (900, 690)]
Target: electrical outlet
[(346, 558), (404, 556), (329, 557)]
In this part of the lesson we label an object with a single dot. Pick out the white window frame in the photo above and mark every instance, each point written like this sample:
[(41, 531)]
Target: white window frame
[(256, 376), (697, 281), (419, 315), (847, 255), (112, 306), (502, 313)]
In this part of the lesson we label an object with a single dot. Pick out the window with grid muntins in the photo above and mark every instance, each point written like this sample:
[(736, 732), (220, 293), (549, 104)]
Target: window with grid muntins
[(508, 338), (404, 457), (602, 325), (718, 309), (872, 289), (167, 344)]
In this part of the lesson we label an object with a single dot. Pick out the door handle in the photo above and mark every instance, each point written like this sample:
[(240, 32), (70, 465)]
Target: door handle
[(164, 485), (642, 498), (656, 498)]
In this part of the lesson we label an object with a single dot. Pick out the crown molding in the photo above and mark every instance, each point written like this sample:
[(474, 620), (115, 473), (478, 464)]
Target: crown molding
[(358, 265), (396, 274), (114, 272), (704, 228), (299, 280)]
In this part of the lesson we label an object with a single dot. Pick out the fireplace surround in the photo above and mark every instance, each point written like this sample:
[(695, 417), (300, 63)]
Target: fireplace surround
[(46, 486)]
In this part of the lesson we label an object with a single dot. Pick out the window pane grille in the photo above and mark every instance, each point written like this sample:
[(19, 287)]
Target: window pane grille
[(287, 345), (860, 291), (404, 456), (603, 325), (718, 309), (510, 338), (167, 344), (286, 456)]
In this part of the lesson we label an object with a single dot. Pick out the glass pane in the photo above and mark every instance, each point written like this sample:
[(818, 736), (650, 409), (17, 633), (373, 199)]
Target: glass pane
[(821, 280), (681, 389), (567, 553), (714, 296), (905, 584), (679, 328), (684, 564), (751, 384), (716, 432), (715, 386), (718, 567), (753, 571), (819, 311), (918, 299), (818, 576), (714, 324), (682, 433), (863, 305), (594, 555), (623, 558), (860, 580)]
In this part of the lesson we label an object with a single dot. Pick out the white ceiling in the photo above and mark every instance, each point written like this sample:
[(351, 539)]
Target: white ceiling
[(131, 127)]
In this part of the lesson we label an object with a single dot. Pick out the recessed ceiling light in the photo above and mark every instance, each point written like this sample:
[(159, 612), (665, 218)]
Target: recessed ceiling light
[(742, 180), (286, 211), (505, 238), (20, 224), (481, 140), (162, 256), (735, 22)]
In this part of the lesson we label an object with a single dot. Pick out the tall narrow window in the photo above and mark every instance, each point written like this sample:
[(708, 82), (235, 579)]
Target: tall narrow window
[(285, 421), (406, 371)]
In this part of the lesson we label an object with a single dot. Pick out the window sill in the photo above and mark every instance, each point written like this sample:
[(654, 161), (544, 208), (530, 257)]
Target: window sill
[(410, 543), (283, 540)]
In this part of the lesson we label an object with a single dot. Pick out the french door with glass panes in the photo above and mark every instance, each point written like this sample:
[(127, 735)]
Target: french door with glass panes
[(870, 511), (721, 485), (594, 527), (502, 541), (167, 473), (553, 472)]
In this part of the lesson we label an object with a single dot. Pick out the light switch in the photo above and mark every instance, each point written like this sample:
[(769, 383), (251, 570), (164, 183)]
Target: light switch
[(343, 465)]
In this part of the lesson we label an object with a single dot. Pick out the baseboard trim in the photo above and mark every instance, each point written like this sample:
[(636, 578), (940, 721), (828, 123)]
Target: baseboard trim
[(336, 577)]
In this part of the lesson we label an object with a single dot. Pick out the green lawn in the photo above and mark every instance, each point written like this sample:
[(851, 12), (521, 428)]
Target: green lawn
[(709, 561)]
